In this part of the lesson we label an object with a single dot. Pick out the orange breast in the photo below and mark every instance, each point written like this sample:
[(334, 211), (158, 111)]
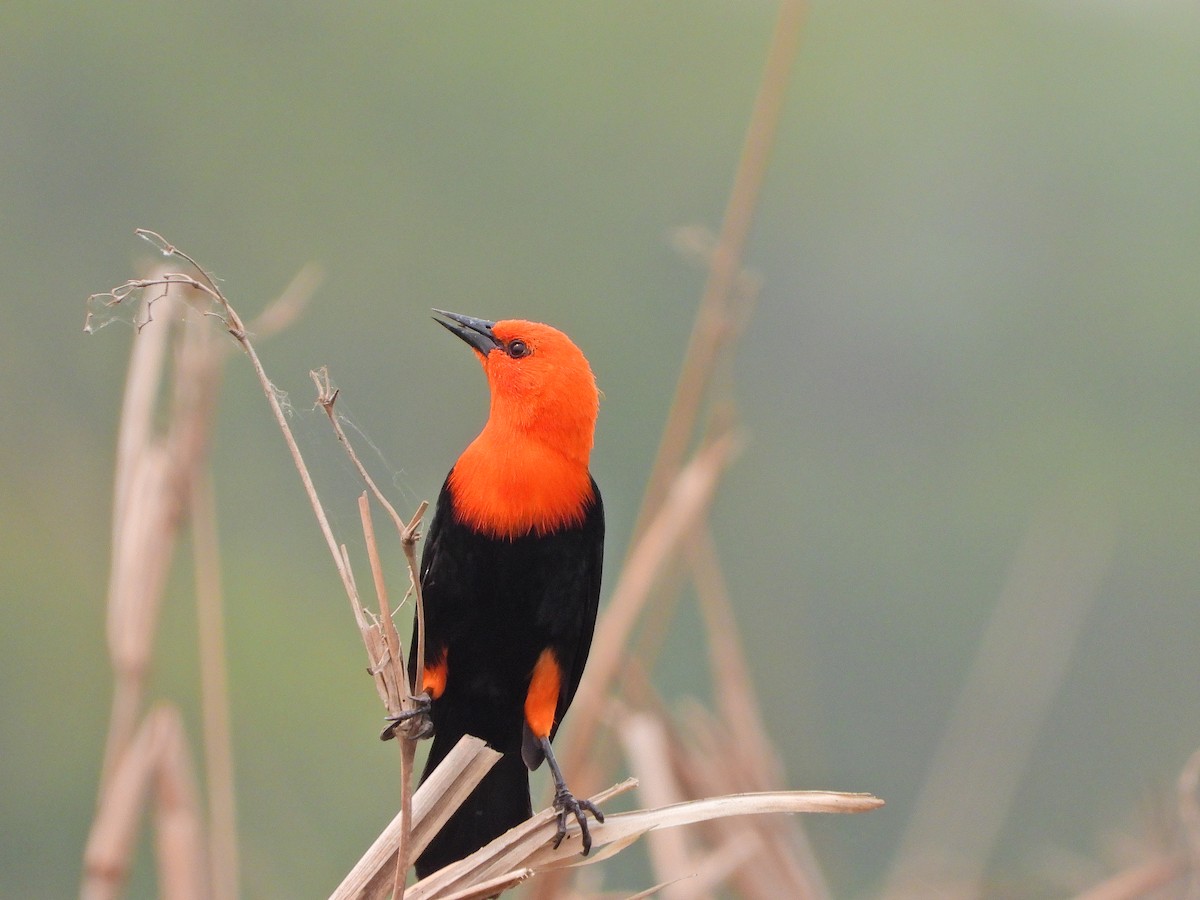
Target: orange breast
[(507, 488)]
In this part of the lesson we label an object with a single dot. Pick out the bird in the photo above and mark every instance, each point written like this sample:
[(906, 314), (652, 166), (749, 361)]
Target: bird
[(510, 578)]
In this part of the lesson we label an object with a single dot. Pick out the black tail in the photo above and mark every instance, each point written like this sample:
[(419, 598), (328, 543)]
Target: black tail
[(498, 803)]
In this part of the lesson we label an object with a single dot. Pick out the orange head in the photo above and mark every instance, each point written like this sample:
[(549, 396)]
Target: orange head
[(528, 469)]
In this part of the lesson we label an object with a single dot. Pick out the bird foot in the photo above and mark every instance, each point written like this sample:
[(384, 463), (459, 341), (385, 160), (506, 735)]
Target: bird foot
[(567, 804), (415, 724)]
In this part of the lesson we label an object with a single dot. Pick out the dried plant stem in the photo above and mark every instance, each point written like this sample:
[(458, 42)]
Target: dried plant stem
[(395, 660), (753, 763), (155, 758), (690, 495), (726, 259), (1137, 882), (1021, 661), (214, 693), (1189, 819), (408, 531), (448, 785), (646, 743)]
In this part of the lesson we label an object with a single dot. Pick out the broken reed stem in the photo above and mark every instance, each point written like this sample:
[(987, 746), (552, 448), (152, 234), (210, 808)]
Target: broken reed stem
[(394, 660), (237, 329), (372, 877)]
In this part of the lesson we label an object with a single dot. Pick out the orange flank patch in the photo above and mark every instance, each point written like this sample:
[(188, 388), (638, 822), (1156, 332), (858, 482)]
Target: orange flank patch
[(434, 682), (542, 700)]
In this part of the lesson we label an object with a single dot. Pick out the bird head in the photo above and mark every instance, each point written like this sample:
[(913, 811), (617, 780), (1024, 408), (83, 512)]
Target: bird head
[(541, 385)]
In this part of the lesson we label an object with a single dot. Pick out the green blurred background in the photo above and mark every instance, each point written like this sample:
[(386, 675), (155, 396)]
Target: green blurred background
[(980, 246)]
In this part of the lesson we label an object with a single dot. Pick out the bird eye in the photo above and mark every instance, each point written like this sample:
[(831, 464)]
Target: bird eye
[(517, 349)]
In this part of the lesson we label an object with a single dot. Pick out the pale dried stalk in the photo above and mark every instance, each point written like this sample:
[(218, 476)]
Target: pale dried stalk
[(509, 852), (391, 672), (620, 826), (528, 845), (1138, 881), (178, 828), (690, 495), (214, 693), (991, 729), (142, 513), (782, 865), (155, 757), (409, 535), (387, 662), (1188, 805), (752, 761), (380, 638), (154, 473), (726, 261), (647, 748), (441, 793)]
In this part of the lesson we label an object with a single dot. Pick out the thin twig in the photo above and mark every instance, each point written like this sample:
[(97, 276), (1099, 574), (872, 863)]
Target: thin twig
[(408, 531)]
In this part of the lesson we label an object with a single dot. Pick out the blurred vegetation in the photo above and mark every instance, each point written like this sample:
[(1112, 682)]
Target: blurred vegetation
[(979, 244)]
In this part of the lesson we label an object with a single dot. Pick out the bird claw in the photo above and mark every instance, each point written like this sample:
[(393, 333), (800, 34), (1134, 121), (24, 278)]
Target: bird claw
[(566, 804), (414, 723)]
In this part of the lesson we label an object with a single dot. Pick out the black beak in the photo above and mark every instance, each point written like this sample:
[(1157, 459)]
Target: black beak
[(476, 332)]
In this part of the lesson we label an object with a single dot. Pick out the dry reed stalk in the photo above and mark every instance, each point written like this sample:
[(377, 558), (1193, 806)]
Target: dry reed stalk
[(159, 483), (689, 497), (726, 260), (754, 764), (528, 846), (991, 729), (445, 789), (1187, 804), (154, 474), (385, 653), (647, 747), (214, 693), (179, 838), (728, 297), (1139, 881), (155, 760)]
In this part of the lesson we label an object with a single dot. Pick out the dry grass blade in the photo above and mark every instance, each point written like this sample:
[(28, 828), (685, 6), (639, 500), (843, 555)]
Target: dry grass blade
[(619, 826), (529, 845), (726, 259), (290, 304), (492, 886), (155, 471), (508, 852)]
